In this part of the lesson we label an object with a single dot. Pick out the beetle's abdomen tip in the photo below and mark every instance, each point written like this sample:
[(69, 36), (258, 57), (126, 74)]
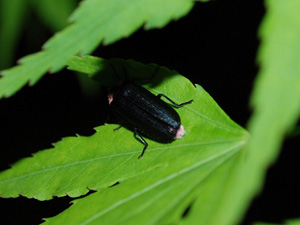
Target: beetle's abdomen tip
[(180, 132)]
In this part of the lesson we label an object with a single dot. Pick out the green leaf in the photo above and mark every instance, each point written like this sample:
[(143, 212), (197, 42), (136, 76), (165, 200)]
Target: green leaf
[(277, 91), (163, 183), (108, 72), (159, 196), (93, 22), (276, 104)]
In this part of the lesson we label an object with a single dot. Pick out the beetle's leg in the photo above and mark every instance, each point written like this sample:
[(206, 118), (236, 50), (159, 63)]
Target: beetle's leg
[(137, 135), (117, 128), (174, 103)]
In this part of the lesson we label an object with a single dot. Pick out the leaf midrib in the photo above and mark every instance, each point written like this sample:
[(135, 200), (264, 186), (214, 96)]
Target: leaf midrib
[(170, 177), (110, 156)]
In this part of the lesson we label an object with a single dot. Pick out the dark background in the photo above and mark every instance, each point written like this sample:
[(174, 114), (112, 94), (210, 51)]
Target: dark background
[(215, 46)]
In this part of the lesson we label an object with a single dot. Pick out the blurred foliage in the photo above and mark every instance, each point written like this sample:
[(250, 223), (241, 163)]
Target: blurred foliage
[(14, 17)]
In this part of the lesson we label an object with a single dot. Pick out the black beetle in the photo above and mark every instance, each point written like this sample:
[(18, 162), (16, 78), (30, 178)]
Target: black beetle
[(146, 114)]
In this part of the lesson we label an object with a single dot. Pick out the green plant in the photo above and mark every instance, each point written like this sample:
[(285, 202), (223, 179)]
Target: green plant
[(215, 166)]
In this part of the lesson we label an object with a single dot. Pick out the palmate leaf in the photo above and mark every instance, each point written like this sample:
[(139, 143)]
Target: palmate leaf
[(154, 189), (94, 21)]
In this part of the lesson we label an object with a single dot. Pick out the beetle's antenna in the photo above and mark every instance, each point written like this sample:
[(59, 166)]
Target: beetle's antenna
[(174, 103)]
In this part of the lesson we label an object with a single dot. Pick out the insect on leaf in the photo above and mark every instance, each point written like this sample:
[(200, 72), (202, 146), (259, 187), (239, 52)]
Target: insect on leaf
[(163, 184)]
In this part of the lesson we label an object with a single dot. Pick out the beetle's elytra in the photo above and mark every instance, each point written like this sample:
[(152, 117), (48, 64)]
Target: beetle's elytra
[(146, 114)]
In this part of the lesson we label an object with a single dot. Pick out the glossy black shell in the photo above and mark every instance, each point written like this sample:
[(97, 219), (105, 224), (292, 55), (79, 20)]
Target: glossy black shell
[(139, 109)]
